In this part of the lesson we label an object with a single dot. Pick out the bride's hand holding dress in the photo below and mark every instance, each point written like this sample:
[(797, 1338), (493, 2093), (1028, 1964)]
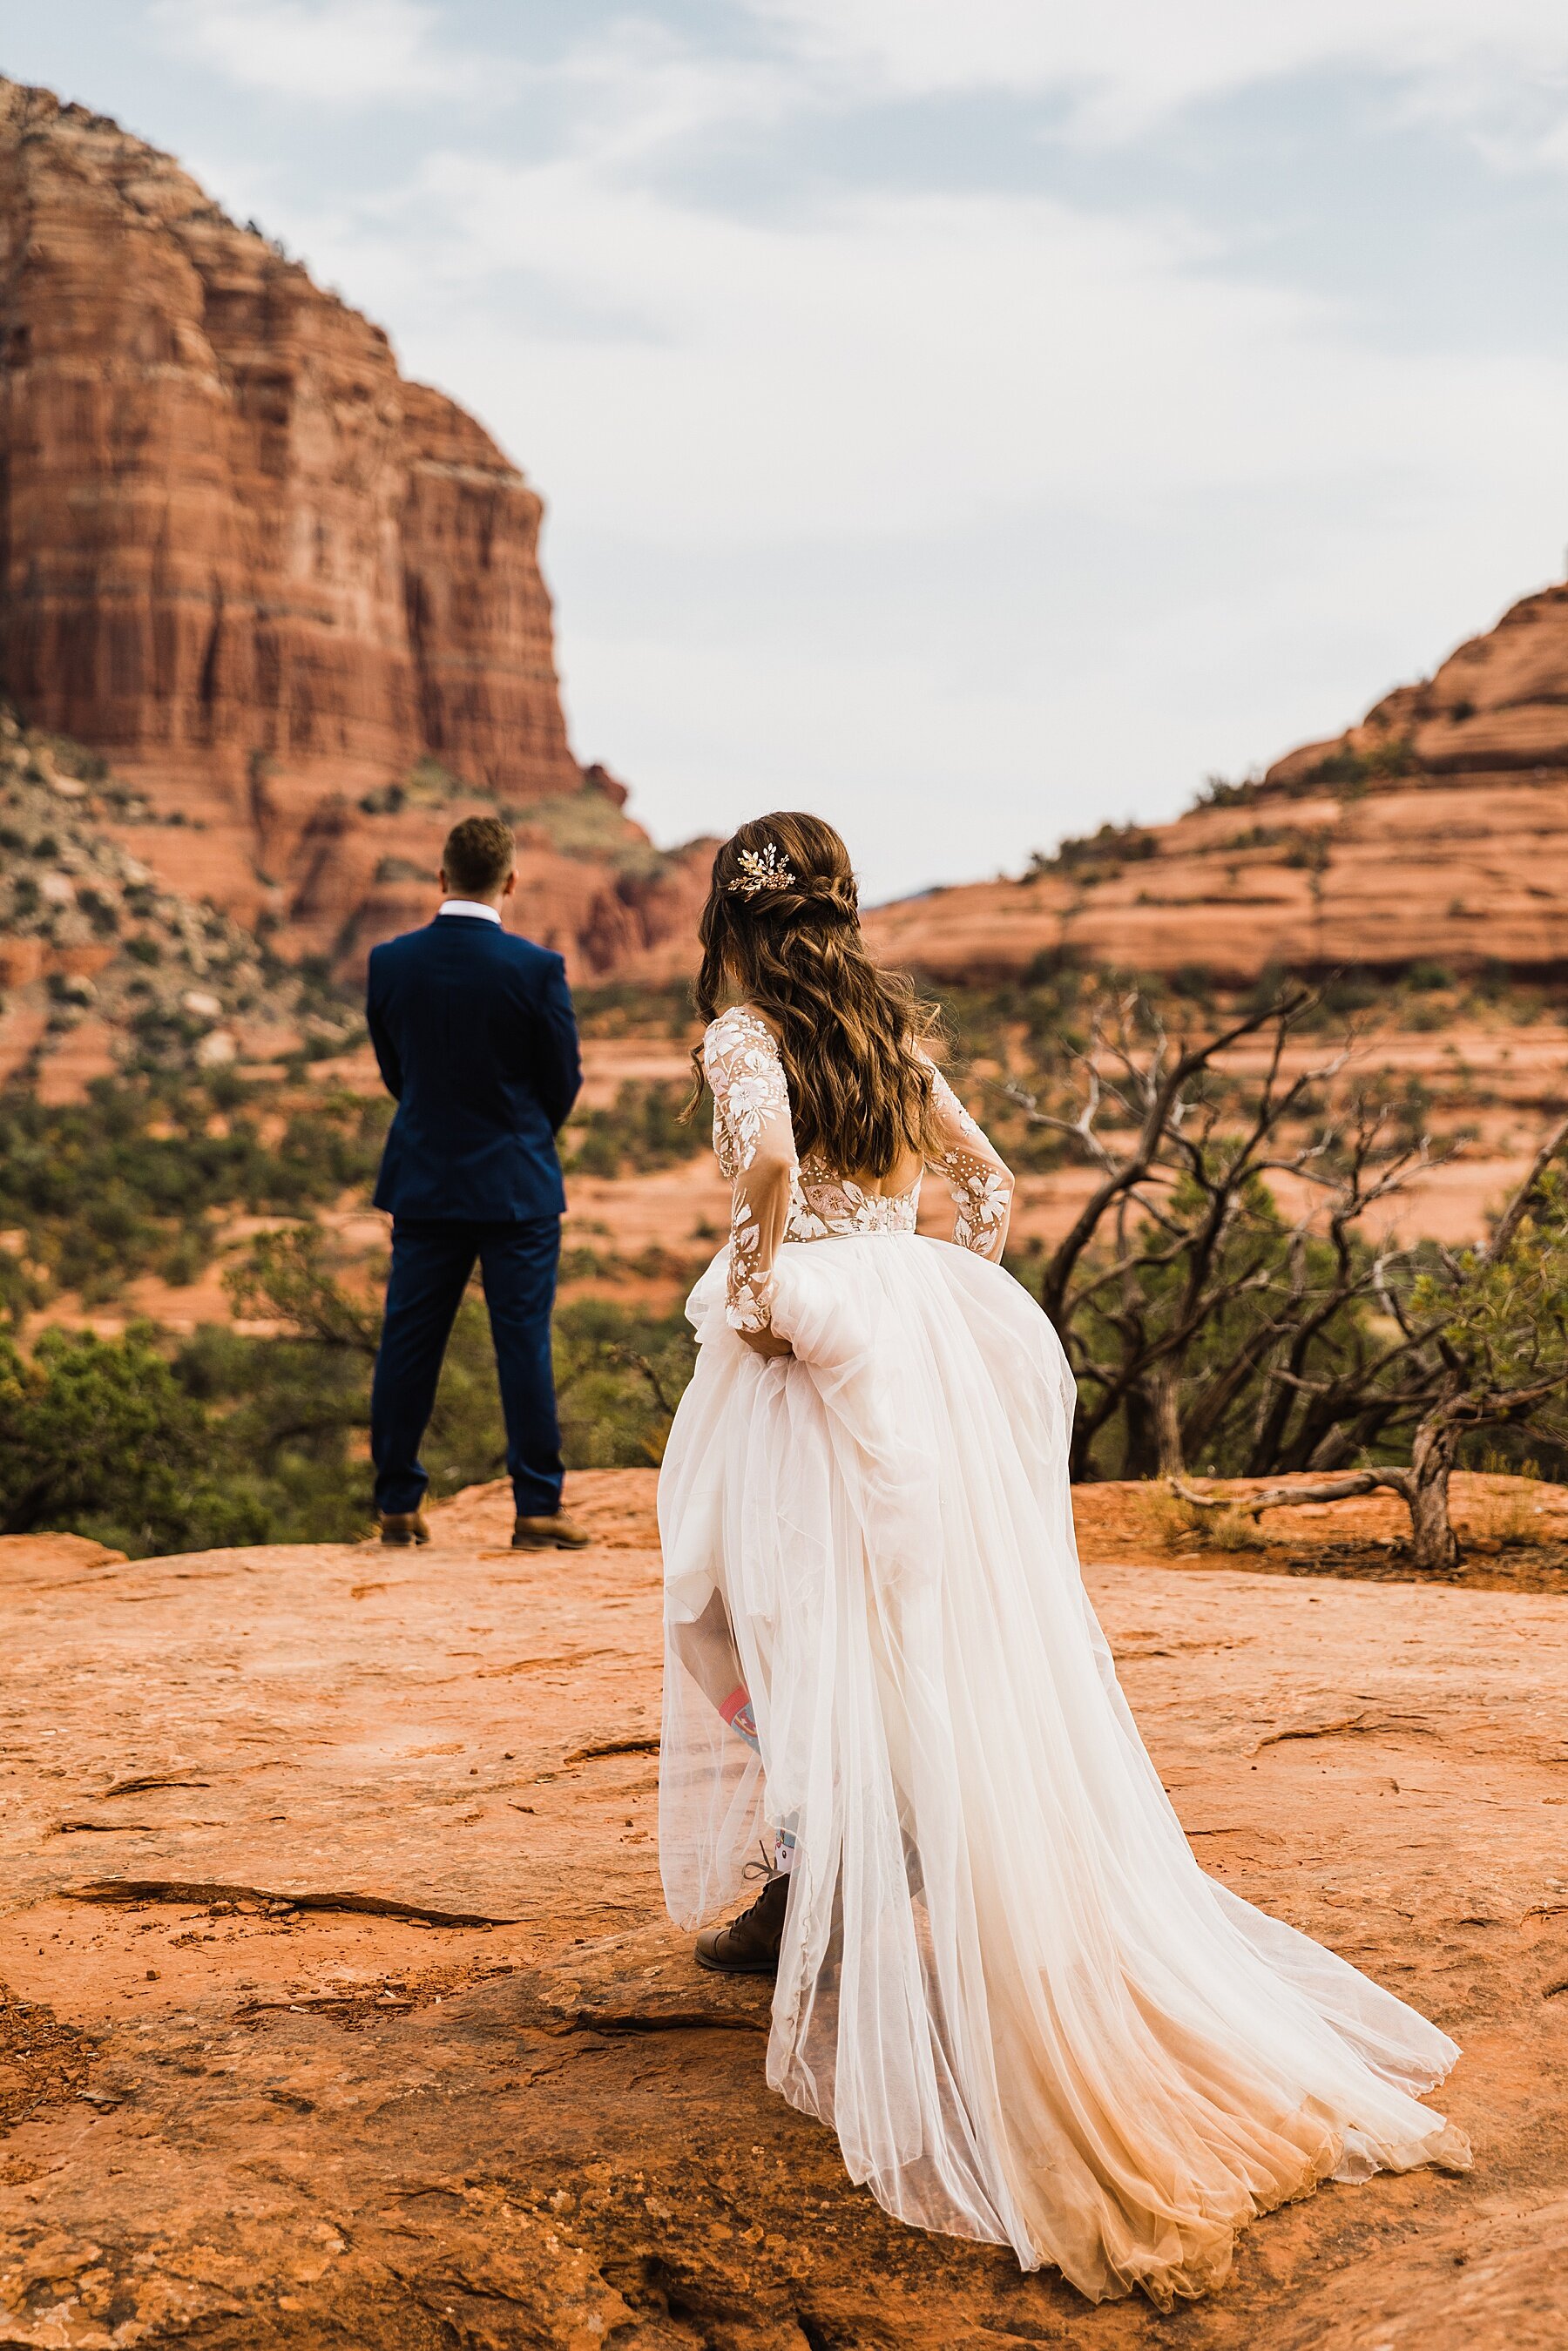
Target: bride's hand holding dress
[(765, 1343)]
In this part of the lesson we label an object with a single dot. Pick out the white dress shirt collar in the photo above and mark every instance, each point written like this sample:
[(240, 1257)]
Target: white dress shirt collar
[(468, 906)]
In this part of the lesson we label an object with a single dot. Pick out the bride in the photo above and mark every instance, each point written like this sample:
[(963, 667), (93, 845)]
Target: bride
[(1003, 1978)]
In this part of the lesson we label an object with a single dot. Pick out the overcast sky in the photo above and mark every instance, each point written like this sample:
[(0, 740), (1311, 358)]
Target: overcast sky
[(971, 419)]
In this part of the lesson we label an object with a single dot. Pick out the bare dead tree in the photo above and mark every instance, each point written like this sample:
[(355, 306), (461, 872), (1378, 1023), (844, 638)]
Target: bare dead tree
[(1181, 1292), (1483, 1341), (288, 1278)]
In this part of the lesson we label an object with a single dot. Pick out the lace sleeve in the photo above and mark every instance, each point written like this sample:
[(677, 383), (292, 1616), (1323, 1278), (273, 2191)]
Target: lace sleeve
[(979, 1180), (754, 1141)]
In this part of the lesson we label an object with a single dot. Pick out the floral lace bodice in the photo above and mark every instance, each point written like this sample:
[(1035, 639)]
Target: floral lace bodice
[(777, 1197)]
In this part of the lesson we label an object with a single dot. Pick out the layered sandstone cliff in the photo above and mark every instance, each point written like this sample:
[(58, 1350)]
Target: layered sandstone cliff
[(229, 527), (1434, 831), (293, 598), (1402, 873), (1495, 708)]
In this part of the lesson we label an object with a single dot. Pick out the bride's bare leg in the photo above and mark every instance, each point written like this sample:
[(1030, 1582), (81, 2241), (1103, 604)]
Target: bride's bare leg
[(707, 1648)]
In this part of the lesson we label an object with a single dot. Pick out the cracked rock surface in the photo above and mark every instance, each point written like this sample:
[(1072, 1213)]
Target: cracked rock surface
[(341, 2008)]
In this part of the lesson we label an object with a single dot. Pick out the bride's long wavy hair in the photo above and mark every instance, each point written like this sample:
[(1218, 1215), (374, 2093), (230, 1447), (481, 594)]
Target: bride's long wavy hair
[(781, 931)]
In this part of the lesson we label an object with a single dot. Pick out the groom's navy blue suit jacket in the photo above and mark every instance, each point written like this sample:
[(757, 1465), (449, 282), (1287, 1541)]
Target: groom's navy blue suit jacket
[(476, 1040)]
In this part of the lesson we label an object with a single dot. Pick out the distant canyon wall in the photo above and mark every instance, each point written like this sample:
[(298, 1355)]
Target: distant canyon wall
[(1497, 708), (1434, 830)]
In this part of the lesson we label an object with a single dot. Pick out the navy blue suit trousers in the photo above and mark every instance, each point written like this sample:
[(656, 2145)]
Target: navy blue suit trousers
[(430, 1262)]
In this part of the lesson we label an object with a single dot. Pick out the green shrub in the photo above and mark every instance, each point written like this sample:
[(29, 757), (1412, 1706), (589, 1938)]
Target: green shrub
[(1218, 793), (642, 1130), (106, 1188), (99, 1436), (1424, 977), (1089, 853)]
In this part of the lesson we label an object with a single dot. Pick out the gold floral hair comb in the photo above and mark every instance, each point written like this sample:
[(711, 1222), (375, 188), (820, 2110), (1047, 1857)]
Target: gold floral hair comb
[(762, 869)]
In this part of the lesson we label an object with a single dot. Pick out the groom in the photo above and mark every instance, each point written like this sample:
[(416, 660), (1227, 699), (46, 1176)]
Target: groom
[(477, 1043)]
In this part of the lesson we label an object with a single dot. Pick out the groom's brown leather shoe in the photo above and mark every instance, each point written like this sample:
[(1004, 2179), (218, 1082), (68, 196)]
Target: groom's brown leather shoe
[(558, 1532), (404, 1527), (750, 1944)]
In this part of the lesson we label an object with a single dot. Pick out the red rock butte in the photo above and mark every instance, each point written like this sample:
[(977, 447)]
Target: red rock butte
[(231, 527), (293, 598)]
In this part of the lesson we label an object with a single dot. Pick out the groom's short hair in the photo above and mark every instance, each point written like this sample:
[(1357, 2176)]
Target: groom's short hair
[(479, 855)]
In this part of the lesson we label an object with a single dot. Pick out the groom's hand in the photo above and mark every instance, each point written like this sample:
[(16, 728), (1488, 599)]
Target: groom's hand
[(765, 1343)]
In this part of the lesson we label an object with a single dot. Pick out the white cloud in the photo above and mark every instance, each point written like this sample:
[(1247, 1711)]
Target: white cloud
[(880, 365), (332, 52), (945, 399), (973, 519), (1122, 65)]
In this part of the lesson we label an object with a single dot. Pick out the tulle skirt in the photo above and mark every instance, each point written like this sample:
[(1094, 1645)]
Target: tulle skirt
[(1028, 2016)]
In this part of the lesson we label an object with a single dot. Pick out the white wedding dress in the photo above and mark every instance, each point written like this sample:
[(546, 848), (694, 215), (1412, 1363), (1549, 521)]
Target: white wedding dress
[(1005, 1983)]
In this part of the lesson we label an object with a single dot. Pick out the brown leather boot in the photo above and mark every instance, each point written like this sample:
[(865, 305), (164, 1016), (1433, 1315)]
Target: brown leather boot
[(404, 1527), (750, 1944), (558, 1532)]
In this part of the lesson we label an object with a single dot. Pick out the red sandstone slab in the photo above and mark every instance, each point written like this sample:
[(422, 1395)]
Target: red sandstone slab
[(293, 2124)]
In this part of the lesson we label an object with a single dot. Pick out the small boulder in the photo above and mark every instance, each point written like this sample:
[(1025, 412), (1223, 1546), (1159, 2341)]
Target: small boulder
[(215, 1051)]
